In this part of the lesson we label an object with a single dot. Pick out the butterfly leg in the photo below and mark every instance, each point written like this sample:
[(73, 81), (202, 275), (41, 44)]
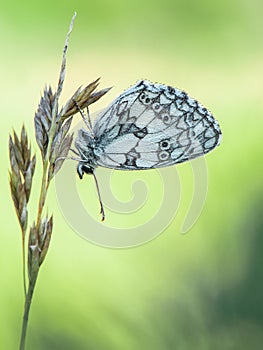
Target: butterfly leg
[(101, 204), (87, 121)]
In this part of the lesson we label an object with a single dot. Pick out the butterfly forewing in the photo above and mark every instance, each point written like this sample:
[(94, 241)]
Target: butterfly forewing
[(152, 126)]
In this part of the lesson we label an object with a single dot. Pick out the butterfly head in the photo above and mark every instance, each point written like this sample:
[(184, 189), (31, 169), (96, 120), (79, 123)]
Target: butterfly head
[(84, 169)]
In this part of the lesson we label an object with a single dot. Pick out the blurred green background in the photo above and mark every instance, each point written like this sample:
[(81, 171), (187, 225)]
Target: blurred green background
[(202, 290)]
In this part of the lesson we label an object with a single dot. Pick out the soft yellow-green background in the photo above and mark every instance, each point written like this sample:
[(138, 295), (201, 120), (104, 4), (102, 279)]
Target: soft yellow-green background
[(198, 291)]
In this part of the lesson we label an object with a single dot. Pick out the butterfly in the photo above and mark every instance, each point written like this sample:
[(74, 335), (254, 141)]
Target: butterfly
[(148, 126)]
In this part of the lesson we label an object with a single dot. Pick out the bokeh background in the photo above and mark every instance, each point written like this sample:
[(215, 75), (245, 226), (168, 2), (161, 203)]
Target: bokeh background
[(202, 290)]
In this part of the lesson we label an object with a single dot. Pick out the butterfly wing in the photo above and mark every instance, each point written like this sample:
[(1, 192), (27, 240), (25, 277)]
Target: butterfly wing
[(153, 126)]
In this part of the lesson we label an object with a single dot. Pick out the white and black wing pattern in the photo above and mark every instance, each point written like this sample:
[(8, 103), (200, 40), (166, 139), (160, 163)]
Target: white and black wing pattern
[(153, 126)]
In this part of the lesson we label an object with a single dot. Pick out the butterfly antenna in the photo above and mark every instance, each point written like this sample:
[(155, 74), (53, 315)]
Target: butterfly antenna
[(101, 204), (68, 158), (74, 151), (87, 121)]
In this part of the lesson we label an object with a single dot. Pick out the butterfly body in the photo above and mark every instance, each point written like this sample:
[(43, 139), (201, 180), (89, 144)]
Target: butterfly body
[(148, 126)]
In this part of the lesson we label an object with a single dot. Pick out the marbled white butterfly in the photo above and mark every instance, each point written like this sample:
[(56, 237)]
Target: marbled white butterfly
[(148, 126)]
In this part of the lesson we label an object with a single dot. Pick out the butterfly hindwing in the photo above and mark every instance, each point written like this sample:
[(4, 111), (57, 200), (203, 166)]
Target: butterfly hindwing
[(152, 126)]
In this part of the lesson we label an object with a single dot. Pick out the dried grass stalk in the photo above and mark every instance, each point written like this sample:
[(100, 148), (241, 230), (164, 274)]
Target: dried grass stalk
[(82, 98), (21, 174), (52, 132)]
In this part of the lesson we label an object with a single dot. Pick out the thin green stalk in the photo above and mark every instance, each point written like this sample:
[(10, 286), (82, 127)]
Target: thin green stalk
[(28, 301), (43, 192), (30, 292), (24, 261)]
